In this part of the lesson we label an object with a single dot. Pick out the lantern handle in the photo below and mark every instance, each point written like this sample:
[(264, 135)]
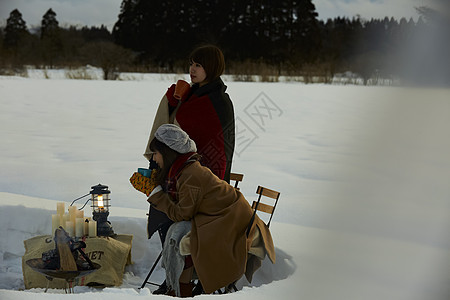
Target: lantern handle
[(84, 204), (79, 199)]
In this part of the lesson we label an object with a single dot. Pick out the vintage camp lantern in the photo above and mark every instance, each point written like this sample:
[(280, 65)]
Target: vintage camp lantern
[(100, 209)]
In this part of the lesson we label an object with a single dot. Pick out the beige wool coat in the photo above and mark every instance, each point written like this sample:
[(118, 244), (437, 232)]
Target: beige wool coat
[(220, 216)]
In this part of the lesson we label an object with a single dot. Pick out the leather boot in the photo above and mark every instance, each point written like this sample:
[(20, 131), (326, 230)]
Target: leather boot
[(161, 290), (185, 290)]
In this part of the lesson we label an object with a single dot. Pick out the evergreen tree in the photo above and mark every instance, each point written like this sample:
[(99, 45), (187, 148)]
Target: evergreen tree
[(15, 30), (96, 33), (304, 30), (246, 40), (125, 29), (51, 43), (2, 37), (49, 24), (338, 38), (16, 43), (72, 40)]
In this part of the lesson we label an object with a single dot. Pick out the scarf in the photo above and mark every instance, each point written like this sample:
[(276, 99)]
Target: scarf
[(174, 172)]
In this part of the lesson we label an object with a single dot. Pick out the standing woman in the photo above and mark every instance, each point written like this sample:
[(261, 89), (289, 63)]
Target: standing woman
[(206, 112)]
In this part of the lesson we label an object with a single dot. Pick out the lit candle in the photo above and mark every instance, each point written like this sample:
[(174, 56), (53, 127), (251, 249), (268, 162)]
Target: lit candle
[(92, 228), (70, 226), (72, 213), (60, 206), (65, 220), (55, 223), (86, 225), (61, 220), (79, 227)]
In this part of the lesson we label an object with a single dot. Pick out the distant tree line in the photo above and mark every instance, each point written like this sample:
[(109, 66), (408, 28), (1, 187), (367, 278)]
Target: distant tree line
[(53, 46), (257, 36), (164, 32)]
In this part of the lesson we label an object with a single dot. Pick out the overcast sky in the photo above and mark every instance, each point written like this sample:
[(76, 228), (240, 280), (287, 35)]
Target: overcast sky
[(98, 12)]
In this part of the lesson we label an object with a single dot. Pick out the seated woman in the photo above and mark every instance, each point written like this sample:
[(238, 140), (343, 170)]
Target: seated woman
[(211, 219)]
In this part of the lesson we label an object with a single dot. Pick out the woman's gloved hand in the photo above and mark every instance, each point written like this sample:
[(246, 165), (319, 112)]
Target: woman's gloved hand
[(144, 184), (170, 97)]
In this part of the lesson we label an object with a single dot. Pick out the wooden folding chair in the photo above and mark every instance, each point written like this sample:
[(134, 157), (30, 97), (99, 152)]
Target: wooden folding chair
[(257, 206), (267, 208), (236, 177)]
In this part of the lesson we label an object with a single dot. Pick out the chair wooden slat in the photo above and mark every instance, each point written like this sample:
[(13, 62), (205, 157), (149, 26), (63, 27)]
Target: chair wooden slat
[(267, 192), (236, 176), (263, 207), (262, 191)]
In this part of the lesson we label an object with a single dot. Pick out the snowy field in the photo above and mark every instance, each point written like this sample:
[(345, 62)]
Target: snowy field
[(363, 172)]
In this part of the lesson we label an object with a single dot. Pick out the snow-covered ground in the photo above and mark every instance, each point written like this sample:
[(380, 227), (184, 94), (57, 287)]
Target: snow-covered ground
[(363, 172)]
